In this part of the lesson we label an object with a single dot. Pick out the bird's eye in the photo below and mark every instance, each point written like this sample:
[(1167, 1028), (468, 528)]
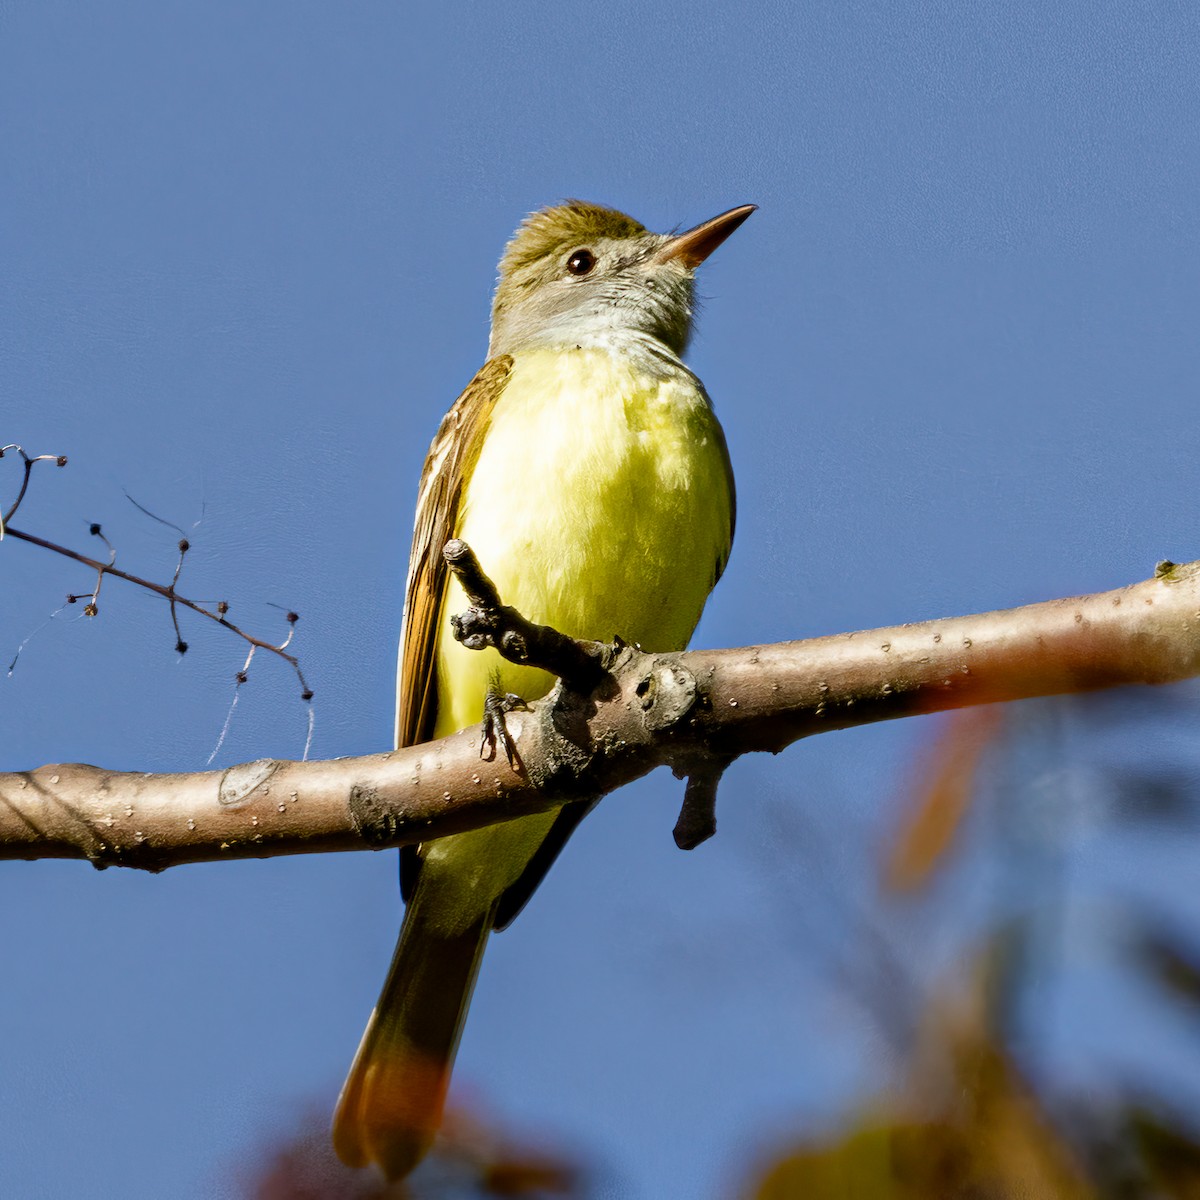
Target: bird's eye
[(581, 262)]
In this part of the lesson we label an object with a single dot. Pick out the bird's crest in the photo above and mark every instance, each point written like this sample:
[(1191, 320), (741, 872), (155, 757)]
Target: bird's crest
[(565, 226)]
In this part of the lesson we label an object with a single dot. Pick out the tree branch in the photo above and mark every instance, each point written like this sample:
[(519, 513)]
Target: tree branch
[(694, 711)]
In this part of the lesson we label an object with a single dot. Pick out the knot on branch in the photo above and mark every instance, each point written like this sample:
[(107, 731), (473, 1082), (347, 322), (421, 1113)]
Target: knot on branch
[(375, 820), (667, 694)]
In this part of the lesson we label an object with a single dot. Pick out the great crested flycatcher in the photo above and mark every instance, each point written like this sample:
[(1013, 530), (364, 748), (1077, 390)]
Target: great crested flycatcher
[(585, 467)]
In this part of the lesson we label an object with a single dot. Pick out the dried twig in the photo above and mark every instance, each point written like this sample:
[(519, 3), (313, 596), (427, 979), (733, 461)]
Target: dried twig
[(490, 622), (166, 591)]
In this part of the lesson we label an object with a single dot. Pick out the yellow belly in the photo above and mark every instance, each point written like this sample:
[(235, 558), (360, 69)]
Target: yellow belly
[(600, 504)]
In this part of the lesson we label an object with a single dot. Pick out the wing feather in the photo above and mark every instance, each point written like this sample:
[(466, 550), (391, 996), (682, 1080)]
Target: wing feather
[(451, 457), (723, 558)]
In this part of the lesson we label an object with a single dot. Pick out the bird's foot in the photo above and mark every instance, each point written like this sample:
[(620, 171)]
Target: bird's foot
[(496, 705)]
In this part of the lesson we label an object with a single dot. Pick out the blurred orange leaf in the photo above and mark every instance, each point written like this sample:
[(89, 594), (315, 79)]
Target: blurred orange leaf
[(940, 798)]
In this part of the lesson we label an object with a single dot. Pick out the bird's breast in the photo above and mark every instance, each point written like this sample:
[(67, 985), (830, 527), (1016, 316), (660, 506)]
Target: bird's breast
[(599, 503)]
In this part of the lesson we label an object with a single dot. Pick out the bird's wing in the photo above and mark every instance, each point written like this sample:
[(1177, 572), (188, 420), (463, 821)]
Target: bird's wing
[(723, 559), (451, 458)]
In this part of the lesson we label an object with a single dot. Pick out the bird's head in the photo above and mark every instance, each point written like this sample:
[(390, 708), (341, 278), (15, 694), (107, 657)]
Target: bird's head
[(582, 274)]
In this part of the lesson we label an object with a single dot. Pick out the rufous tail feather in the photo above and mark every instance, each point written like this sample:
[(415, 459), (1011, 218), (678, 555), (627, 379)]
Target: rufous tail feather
[(391, 1103)]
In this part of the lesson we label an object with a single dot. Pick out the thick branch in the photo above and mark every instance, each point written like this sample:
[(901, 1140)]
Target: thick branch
[(684, 710)]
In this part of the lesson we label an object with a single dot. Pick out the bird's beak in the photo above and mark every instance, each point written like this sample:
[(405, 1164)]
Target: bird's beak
[(694, 246)]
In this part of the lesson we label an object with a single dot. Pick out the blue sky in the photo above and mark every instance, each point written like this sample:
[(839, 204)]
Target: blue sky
[(248, 258)]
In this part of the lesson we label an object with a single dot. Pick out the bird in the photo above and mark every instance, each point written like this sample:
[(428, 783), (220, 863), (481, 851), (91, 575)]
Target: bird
[(586, 468)]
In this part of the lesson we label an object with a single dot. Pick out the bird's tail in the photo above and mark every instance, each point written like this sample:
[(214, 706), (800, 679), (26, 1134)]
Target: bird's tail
[(391, 1103)]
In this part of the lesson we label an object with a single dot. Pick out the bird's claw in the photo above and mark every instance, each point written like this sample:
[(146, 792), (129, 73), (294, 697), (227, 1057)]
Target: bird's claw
[(496, 705)]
